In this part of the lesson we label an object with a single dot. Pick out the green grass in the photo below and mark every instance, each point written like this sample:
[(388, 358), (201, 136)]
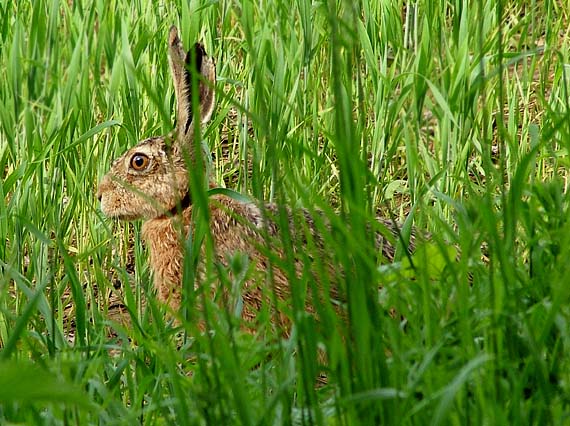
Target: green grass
[(453, 117)]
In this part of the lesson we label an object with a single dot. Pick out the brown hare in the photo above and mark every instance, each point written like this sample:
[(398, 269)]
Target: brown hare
[(150, 182)]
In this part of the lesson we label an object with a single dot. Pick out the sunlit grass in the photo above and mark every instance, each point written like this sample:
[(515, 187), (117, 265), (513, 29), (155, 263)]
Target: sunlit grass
[(452, 117)]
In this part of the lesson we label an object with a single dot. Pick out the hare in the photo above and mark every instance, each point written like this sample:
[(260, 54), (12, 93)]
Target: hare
[(150, 182)]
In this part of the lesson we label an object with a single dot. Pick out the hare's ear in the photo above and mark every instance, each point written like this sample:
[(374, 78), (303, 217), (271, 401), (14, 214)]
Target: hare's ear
[(182, 65)]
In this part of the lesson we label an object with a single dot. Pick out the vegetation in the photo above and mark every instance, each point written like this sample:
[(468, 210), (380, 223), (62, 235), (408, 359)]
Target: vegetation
[(450, 116)]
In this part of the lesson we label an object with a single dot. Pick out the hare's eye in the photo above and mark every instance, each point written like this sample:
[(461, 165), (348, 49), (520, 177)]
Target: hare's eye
[(139, 162)]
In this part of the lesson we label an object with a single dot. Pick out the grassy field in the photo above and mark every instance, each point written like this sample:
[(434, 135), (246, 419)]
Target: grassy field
[(452, 117)]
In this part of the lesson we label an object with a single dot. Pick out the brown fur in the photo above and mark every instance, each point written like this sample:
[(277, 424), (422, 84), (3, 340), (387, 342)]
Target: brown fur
[(156, 193)]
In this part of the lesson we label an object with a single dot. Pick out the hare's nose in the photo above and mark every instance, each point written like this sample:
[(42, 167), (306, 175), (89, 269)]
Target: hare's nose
[(103, 186)]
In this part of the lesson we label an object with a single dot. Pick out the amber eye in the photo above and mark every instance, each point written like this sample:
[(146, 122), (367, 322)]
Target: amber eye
[(139, 162)]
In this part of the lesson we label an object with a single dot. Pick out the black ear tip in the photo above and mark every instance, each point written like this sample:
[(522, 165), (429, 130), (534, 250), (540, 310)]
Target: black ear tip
[(199, 49), (198, 53)]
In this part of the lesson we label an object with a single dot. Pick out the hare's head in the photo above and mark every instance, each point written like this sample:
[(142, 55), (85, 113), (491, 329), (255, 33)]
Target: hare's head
[(150, 179)]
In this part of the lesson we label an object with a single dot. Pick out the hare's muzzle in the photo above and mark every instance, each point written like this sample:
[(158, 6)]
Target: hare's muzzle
[(105, 195), (104, 185)]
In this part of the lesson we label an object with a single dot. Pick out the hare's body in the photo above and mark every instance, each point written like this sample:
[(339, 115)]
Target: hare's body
[(150, 182), (235, 229), (165, 239)]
